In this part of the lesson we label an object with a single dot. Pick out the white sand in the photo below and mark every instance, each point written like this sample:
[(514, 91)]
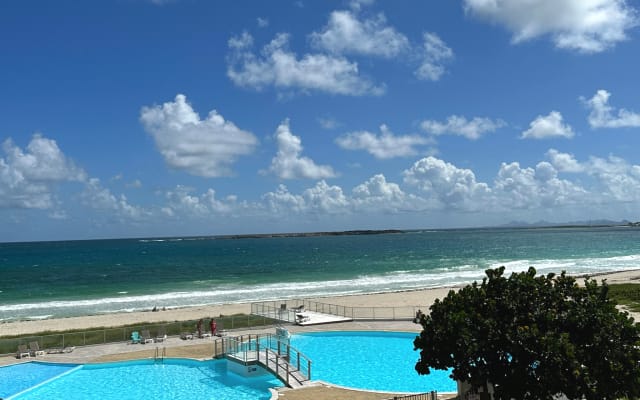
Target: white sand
[(417, 298)]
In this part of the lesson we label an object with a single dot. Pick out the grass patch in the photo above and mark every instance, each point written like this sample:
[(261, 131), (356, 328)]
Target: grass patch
[(626, 294)]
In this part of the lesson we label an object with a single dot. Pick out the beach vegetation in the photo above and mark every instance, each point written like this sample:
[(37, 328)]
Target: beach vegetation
[(533, 337), (627, 295), (102, 335)]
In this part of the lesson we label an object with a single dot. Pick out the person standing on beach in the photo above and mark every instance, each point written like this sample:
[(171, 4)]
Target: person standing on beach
[(213, 326), (199, 327)]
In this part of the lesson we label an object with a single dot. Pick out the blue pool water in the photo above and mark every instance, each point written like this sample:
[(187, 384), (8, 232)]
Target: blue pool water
[(382, 361), (16, 378), (175, 379)]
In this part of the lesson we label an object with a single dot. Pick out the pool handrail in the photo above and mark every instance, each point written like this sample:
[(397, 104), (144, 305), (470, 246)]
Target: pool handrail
[(290, 365)]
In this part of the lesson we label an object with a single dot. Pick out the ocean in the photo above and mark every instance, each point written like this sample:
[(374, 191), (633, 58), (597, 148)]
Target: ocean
[(41, 280)]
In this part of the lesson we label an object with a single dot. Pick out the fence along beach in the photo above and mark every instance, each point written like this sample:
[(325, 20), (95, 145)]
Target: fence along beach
[(91, 283), (422, 298)]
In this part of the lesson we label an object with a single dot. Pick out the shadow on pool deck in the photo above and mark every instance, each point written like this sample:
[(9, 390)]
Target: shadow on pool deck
[(203, 349)]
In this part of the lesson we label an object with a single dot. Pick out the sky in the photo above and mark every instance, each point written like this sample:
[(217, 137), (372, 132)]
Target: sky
[(140, 118)]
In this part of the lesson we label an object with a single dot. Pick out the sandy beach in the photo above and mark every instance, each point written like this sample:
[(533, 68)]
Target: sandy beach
[(417, 298)]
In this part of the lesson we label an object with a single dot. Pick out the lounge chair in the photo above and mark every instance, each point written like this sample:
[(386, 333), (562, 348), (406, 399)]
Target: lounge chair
[(23, 351), (161, 336), (298, 309), (300, 318), (135, 337), (186, 336), (60, 350), (145, 337), (34, 348)]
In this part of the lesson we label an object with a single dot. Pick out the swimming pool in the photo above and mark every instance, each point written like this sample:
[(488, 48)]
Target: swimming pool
[(178, 379), (16, 378), (382, 361)]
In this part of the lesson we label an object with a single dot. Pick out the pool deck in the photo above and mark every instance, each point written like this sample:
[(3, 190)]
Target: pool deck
[(202, 349)]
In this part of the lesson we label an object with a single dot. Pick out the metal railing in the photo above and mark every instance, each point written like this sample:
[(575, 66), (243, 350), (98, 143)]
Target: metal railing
[(160, 356), (276, 355), (286, 310), (116, 335), (421, 396)]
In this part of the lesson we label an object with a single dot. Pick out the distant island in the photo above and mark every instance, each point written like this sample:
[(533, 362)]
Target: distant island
[(513, 224), (310, 234)]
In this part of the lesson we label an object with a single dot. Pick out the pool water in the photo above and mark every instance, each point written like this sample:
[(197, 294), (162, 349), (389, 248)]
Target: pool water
[(382, 361), (16, 378), (175, 379)]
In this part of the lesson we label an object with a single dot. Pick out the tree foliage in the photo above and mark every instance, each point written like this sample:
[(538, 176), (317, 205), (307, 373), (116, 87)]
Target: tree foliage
[(533, 337)]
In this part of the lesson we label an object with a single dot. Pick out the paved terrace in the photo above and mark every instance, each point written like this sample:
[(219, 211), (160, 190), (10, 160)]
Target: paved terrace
[(202, 349)]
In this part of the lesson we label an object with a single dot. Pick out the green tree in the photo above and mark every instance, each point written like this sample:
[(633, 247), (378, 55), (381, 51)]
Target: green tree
[(533, 337)]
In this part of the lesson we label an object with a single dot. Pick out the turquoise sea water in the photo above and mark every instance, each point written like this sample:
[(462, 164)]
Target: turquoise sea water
[(54, 279)]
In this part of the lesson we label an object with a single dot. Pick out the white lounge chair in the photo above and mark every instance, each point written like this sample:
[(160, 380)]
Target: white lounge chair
[(298, 309), (300, 318), (161, 336)]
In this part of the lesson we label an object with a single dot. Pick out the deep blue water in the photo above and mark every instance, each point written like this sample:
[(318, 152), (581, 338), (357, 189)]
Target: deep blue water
[(46, 279)]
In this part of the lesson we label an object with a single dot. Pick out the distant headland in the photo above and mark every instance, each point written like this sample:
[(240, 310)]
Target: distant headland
[(311, 234)]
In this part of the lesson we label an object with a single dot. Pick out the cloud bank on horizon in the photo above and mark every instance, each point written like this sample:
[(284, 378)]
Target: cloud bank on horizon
[(225, 118)]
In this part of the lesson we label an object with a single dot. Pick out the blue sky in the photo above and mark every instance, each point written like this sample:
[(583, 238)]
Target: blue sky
[(130, 118)]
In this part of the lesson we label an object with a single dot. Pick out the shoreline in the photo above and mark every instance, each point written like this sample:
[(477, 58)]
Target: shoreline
[(421, 298)]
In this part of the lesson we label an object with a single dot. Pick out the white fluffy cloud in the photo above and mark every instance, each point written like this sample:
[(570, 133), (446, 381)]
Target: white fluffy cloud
[(549, 126), (441, 186), (456, 125), (203, 147), (346, 34), (587, 26), (602, 115), (282, 202), (383, 146), (453, 187), (182, 200), (325, 199), (28, 178), (526, 188), (279, 67), (564, 162), (319, 199), (376, 194), (288, 162), (435, 54), (619, 180), (100, 198)]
